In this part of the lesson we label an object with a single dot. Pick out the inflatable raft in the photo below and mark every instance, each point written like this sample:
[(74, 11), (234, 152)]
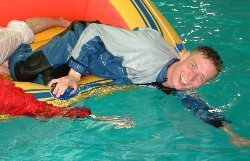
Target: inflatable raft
[(128, 14)]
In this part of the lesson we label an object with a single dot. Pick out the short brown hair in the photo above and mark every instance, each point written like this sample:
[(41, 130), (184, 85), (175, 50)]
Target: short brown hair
[(210, 54)]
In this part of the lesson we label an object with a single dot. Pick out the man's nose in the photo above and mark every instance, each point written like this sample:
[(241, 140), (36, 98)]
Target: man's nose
[(192, 75)]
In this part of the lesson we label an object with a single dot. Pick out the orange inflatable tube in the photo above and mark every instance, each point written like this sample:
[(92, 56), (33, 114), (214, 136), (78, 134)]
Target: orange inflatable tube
[(102, 10)]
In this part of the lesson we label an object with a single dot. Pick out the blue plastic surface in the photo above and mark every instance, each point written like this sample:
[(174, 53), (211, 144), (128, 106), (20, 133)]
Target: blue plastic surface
[(66, 95)]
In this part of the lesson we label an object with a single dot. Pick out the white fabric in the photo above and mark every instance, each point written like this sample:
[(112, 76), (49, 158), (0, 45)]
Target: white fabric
[(16, 33)]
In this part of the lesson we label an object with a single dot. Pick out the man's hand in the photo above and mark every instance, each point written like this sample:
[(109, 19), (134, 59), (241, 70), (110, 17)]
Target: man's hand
[(63, 83), (236, 139)]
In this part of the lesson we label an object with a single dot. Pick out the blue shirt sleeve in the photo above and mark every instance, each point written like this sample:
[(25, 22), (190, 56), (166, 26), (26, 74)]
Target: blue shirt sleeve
[(193, 101)]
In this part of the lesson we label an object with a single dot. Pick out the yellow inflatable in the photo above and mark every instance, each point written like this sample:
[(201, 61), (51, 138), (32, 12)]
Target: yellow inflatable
[(128, 14)]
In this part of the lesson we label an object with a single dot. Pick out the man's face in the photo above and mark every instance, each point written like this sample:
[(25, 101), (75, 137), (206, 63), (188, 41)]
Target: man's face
[(190, 72)]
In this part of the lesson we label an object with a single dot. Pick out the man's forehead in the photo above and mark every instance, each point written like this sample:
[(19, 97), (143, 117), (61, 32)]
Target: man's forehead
[(198, 53)]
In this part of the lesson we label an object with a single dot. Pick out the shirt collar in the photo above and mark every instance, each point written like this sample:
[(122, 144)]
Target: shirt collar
[(162, 76)]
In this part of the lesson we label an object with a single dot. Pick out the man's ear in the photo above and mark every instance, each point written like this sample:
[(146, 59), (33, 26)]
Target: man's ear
[(187, 54)]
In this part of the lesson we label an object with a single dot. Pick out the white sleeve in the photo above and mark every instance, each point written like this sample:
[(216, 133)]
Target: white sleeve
[(16, 33)]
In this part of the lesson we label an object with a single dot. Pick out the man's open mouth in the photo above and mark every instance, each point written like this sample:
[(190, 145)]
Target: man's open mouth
[(183, 80)]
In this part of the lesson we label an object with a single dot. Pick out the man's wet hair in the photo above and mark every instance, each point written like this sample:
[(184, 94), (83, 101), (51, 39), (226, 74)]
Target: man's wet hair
[(210, 54)]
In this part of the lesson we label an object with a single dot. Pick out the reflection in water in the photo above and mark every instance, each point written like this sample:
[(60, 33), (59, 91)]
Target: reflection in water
[(118, 121)]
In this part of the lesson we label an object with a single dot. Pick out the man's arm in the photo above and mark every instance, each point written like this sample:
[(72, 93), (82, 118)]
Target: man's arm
[(236, 139), (193, 101), (40, 24)]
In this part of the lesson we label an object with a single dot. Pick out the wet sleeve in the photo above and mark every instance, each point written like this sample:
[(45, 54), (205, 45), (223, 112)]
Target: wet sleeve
[(16, 33), (15, 102), (193, 101), (88, 44)]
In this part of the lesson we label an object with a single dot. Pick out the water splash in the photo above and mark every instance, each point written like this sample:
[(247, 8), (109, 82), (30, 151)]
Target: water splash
[(118, 121)]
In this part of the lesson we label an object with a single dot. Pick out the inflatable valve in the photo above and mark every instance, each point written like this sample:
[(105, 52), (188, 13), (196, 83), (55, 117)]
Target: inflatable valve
[(66, 95)]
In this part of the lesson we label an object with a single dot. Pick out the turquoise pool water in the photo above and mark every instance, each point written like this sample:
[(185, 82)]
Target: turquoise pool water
[(164, 130)]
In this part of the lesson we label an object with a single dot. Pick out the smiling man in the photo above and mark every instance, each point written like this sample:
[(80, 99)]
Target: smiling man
[(137, 57), (196, 68), (141, 56), (127, 57)]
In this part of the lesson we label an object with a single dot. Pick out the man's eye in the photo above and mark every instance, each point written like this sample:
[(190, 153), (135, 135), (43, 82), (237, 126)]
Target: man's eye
[(193, 66)]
